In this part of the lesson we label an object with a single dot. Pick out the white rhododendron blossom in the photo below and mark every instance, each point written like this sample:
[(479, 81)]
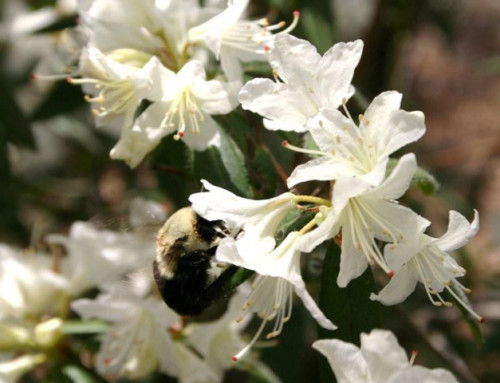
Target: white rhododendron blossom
[(233, 39), (349, 150), (425, 259), (309, 82), (138, 341), (219, 340), (278, 277), (30, 286), (156, 28), (184, 106), (380, 359), (98, 256), (166, 77), (253, 224), (116, 83), (365, 213)]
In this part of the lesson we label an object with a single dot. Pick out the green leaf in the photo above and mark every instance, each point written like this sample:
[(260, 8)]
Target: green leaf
[(208, 165), (317, 28), (472, 322), (349, 308), (60, 24), (234, 162), (422, 179), (84, 327), (263, 173), (295, 220), (80, 375), (171, 164)]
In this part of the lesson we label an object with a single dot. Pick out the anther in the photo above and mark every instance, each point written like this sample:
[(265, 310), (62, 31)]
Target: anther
[(390, 273), (284, 143)]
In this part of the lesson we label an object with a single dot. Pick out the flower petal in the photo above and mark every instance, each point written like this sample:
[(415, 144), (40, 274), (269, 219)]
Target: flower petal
[(216, 97), (459, 232), (383, 355), (403, 128), (353, 261), (402, 284), (377, 114), (337, 69), (318, 169), (208, 134), (345, 359), (423, 375), (325, 230), (295, 60), (282, 106), (398, 181)]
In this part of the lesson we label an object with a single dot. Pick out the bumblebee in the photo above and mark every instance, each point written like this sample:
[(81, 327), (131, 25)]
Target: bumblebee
[(184, 270)]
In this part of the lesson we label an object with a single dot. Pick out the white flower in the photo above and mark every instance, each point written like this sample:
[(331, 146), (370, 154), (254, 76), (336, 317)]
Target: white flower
[(185, 105), (380, 359), (12, 369), (118, 81), (193, 369), (254, 224), (425, 259), (97, 256), (29, 285), (218, 341), (138, 341), (155, 27), (366, 213), (349, 150), (233, 39), (310, 82), (272, 291), (258, 219)]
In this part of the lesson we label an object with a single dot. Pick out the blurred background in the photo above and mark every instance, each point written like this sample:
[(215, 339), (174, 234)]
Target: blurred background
[(443, 55)]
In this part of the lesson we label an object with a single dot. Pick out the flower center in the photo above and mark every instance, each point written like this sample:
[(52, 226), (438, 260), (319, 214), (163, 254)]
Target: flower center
[(251, 36), (436, 271), (114, 96), (183, 113), (361, 222), (271, 299)]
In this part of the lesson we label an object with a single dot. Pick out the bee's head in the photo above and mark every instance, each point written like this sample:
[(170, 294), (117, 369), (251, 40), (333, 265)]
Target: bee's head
[(184, 232)]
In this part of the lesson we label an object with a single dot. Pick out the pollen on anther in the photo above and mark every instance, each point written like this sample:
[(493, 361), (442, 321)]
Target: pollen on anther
[(390, 273), (284, 143)]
